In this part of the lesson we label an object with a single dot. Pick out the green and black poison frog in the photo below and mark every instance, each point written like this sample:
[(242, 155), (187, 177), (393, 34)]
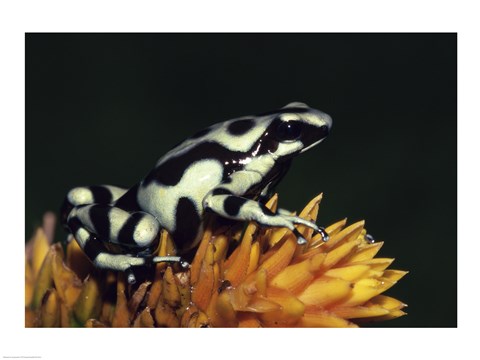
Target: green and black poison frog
[(228, 168)]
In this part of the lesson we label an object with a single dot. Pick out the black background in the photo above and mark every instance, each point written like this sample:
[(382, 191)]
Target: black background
[(102, 108)]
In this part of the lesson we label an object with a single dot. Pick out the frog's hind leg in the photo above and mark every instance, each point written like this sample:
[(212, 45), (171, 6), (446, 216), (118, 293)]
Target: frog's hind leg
[(98, 253), (95, 227), (131, 230), (84, 195)]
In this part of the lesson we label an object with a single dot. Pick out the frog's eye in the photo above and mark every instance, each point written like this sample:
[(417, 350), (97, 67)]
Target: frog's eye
[(289, 130)]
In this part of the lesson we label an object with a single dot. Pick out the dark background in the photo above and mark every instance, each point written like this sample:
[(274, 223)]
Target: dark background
[(101, 109)]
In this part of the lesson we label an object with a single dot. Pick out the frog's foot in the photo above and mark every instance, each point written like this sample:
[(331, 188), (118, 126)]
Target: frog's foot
[(238, 208), (171, 259)]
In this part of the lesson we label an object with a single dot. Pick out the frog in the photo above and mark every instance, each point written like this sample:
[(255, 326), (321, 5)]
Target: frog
[(229, 169)]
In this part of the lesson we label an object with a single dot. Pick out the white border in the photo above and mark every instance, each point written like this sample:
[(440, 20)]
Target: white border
[(18, 17)]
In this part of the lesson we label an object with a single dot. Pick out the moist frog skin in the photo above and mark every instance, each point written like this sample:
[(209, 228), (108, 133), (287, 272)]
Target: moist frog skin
[(229, 169)]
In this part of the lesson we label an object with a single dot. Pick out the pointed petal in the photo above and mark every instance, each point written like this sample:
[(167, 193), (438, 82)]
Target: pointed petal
[(67, 283), (254, 257), (40, 250), (325, 291), (199, 255), (165, 316), (138, 297), (88, 304), (290, 311), (388, 302), (170, 292), (225, 310), (237, 270), (221, 247), (323, 319), (394, 275), (365, 252), (339, 254), (144, 319), (377, 264), (349, 273), (280, 259), (349, 234), (121, 317), (335, 228), (357, 312), (43, 279), (203, 289), (364, 290), (78, 261), (248, 320), (310, 211), (294, 277), (50, 309)]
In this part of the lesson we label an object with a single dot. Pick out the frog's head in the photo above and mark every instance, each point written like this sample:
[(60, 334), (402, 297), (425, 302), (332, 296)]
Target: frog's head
[(294, 129)]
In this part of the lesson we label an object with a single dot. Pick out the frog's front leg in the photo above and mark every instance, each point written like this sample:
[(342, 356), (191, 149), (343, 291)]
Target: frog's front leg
[(225, 202)]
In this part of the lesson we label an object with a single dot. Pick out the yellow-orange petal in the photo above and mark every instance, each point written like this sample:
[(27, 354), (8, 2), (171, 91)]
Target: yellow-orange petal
[(198, 320), (121, 317), (365, 252), (339, 253), (319, 318), (377, 264), (349, 234), (325, 291), (272, 203), (254, 258), (309, 212), (391, 315), (387, 302), (294, 277), (394, 275), (40, 250), (290, 311), (185, 290), (196, 265), (358, 312), (221, 247), (67, 283), (170, 292), (349, 273), (236, 271), (364, 290), (253, 287), (280, 258), (248, 320), (331, 230), (50, 309), (144, 319), (88, 304), (227, 316), (77, 261), (335, 228), (138, 297), (165, 316), (28, 284), (43, 279), (204, 287)]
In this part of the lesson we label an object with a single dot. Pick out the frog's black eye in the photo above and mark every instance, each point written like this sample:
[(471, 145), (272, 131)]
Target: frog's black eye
[(289, 130)]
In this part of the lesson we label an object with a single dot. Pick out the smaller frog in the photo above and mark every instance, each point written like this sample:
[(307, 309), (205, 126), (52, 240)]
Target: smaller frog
[(229, 169)]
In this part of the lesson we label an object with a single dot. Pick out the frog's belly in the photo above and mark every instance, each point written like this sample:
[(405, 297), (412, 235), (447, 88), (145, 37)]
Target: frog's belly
[(170, 204)]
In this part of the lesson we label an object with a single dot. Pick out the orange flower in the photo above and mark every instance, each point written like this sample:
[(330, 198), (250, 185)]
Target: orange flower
[(267, 280)]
